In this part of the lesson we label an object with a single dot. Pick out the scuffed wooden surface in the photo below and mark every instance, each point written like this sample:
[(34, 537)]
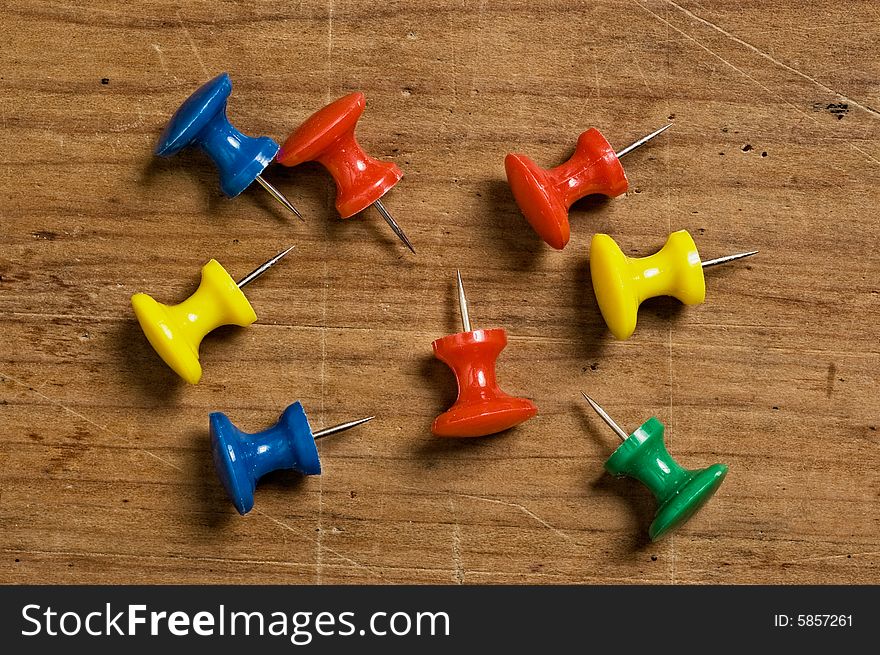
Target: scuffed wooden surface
[(106, 474)]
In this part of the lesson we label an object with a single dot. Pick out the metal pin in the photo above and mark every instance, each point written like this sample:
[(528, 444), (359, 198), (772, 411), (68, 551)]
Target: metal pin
[(462, 305), (611, 424), (642, 141), (394, 226), (342, 427), (275, 193), (262, 268), (728, 258)]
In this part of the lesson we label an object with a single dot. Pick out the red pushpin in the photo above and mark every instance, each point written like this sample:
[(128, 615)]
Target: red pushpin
[(327, 136), (544, 195), (481, 408)]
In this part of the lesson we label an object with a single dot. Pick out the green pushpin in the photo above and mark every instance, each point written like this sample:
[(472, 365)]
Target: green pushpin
[(642, 455)]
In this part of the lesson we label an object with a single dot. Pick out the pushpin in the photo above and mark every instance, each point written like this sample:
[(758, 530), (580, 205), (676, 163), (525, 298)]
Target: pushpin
[(679, 492), (201, 120), (544, 195), (481, 408), (242, 458), (327, 136), (175, 331), (621, 283)]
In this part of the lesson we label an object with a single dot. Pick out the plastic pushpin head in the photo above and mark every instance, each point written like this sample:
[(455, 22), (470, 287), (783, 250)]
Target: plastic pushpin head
[(327, 136), (201, 120), (544, 195), (621, 283), (176, 331), (241, 459), (481, 408), (680, 492)]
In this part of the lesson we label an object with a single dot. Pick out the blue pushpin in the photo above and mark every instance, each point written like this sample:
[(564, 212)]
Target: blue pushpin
[(201, 120), (242, 458)]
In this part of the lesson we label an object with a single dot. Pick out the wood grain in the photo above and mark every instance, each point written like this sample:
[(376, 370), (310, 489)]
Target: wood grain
[(106, 474)]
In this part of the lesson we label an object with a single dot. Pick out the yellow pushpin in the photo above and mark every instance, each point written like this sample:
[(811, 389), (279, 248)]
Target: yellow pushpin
[(621, 283), (175, 331)]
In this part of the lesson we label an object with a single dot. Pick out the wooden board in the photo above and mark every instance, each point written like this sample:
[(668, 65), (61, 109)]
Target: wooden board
[(106, 473)]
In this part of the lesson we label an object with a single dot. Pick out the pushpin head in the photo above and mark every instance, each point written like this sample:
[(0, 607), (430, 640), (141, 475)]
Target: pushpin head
[(544, 195), (241, 459), (201, 120), (176, 331), (482, 408), (327, 136), (621, 283), (680, 492)]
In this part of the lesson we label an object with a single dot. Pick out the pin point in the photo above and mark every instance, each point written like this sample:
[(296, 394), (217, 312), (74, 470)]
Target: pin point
[(175, 331), (327, 136), (481, 408), (240, 159), (544, 195), (679, 492), (242, 458), (621, 283)]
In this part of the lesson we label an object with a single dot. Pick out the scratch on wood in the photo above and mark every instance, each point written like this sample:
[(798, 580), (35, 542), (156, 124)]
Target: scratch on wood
[(642, 74), (176, 556), (496, 501), (823, 558), (87, 420), (192, 45), (162, 61), (751, 565), (281, 563), (770, 58), (458, 573), (318, 541), (752, 79), (478, 63), (344, 558), (329, 48)]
